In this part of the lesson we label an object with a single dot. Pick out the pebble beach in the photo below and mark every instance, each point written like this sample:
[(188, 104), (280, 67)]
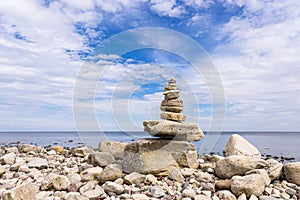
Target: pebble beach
[(33, 172)]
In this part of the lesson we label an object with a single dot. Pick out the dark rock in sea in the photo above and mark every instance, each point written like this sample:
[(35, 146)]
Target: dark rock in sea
[(70, 140)]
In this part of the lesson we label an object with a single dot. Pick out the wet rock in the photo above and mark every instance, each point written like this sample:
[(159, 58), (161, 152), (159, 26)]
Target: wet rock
[(237, 145), (39, 163), (237, 165), (292, 172), (101, 159), (26, 191), (134, 178), (115, 148), (249, 184), (110, 173)]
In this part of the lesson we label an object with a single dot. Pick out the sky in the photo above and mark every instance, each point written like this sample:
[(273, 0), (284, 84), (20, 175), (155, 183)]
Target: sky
[(48, 47)]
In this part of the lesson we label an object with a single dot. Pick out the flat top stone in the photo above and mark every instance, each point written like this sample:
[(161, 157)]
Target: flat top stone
[(147, 145)]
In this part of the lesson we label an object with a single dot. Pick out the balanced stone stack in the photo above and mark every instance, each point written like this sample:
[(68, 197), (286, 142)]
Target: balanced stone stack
[(173, 148), (173, 125)]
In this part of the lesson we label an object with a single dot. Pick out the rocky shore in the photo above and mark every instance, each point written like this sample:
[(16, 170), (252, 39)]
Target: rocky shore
[(33, 172), (165, 167)]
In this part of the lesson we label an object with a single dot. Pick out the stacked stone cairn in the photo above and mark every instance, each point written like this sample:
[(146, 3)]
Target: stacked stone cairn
[(173, 148)]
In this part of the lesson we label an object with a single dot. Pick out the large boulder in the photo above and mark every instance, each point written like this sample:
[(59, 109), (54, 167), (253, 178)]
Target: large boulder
[(156, 156), (253, 184), (292, 172), (237, 145), (115, 148), (274, 169), (25, 191), (237, 165), (173, 130)]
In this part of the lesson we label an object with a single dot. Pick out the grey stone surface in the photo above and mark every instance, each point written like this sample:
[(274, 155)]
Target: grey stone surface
[(292, 172), (157, 156), (237, 145), (173, 130), (238, 165)]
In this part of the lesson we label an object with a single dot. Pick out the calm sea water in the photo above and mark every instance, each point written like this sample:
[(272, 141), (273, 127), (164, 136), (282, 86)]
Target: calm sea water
[(279, 144)]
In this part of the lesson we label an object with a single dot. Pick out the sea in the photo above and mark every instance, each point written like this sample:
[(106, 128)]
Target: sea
[(280, 145)]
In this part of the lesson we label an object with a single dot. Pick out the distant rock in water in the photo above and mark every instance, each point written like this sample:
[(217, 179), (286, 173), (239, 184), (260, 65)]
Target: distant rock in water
[(237, 145)]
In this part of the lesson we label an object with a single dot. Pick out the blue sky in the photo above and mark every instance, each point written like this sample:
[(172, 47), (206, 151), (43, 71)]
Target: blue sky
[(254, 45)]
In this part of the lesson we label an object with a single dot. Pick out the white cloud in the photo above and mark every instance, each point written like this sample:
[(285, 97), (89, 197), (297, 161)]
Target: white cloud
[(167, 8), (259, 65)]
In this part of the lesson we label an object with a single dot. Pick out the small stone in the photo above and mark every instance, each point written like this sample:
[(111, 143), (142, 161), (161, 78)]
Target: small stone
[(59, 150), (187, 172), (171, 109), (94, 194), (225, 195), (176, 175), (268, 190), (139, 197), (171, 94), (172, 103), (206, 192), (8, 159), (81, 151), (201, 197), (93, 173), (150, 179), (242, 197), (25, 191), (253, 197), (249, 184), (265, 197), (223, 184), (285, 195), (61, 182), (177, 117), (188, 193), (134, 178), (75, 196), (101, 159), (39, 163), (88, 186), (157, 192), (2, 170), (110, 173), (113, 187), (291, 191)]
